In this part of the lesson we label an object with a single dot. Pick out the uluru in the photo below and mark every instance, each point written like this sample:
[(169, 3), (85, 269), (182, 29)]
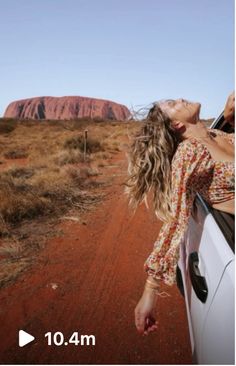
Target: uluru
[(66, 108)]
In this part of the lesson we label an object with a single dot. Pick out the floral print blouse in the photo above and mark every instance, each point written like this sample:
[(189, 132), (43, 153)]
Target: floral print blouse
[(193, 170)]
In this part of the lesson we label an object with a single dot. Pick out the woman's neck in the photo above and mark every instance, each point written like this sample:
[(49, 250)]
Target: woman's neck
[(197, 130)]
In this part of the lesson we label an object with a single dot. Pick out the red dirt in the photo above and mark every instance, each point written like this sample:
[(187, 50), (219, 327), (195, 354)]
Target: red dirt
[(89, 280), (8, 163)]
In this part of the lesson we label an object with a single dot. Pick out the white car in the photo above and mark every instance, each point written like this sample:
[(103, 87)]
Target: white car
[(205, 276)]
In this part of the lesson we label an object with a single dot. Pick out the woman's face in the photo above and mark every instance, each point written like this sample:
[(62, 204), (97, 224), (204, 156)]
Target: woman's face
[(181, 110)]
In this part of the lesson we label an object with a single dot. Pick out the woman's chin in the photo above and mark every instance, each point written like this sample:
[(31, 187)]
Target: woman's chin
[(198, 106), (198, 109)]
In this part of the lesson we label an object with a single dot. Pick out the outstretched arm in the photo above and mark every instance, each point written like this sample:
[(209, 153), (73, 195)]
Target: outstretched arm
[(189, 171), (187, 176)]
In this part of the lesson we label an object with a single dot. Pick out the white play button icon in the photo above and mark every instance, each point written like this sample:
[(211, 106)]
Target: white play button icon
[(24, 338)]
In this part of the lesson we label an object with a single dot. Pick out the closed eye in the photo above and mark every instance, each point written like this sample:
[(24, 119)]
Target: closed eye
[(171, 102)]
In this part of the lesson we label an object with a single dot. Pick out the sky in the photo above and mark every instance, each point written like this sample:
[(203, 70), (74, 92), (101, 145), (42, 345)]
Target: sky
[(133, 52)]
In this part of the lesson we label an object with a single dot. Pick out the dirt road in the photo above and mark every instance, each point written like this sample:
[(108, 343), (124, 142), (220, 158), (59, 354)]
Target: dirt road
[(89, 280)]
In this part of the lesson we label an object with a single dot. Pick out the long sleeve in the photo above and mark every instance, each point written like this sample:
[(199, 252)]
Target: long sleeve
[(191, 169)]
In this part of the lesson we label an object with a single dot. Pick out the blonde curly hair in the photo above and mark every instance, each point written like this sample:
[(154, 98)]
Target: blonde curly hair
[(149, 162)]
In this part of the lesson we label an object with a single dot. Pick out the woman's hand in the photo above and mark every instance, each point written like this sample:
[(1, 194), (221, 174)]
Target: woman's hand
[(144, 319)]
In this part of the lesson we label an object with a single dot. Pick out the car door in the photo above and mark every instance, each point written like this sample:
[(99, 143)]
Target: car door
[(218, 332), (207, 268), (205, 257)]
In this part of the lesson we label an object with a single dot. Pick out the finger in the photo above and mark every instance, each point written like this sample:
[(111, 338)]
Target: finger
[(150, 321), (152, 328), (149, 330), (140, 323)]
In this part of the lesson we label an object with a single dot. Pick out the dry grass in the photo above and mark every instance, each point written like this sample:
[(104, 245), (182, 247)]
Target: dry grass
[(26, 193), (78, 142), (16, 153), (49, 179), (7, 125), (69, 157)]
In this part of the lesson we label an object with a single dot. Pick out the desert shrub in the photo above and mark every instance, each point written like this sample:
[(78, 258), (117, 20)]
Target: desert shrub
[(7, 125), (81, 175), (21, 172), (49, 192), (89, 172), (19, 200), (10, 249), (77, 142), (75, 175), (16, 153), (102, 155), (69, 157)]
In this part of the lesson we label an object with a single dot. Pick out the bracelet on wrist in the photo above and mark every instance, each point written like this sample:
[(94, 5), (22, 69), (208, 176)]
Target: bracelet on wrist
[(151, 286)]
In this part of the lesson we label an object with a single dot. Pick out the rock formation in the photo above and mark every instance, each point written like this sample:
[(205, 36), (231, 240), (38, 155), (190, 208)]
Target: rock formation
[(66, 108)]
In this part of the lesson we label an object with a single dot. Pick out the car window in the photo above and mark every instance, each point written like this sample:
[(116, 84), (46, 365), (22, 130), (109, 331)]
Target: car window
[(224, 220), (220, 124), (226, 224)]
